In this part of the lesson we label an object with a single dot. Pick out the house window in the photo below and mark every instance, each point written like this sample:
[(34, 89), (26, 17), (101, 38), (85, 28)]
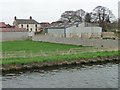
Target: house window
[(27, 25), (36, 25), (22, 25)]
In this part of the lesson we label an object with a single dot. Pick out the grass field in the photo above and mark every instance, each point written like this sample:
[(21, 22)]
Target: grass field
[(34, 46), (0, 46), (58, 58), (37, 46)]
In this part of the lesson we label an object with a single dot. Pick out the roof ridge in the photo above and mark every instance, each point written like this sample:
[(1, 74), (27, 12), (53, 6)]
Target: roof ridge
[(27, 21)]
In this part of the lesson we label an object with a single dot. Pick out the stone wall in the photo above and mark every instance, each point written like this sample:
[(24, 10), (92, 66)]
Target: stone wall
[(78, 41)]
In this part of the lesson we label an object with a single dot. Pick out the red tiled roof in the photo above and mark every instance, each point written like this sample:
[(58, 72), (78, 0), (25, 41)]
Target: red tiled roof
[(2, 24), (13, 30)]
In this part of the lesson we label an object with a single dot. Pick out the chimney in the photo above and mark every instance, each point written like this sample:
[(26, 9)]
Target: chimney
[(15, 18), (30, 17)]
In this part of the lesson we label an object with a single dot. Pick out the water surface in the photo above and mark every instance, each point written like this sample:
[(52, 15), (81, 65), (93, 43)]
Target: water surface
[(95, 76)]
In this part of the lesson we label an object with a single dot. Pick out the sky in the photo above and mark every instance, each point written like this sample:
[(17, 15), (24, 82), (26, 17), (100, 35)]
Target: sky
[(48, 10), (119, 9)]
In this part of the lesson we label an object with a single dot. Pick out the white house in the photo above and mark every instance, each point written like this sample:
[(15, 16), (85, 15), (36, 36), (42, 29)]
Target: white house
[(81, 30), (30, 24)]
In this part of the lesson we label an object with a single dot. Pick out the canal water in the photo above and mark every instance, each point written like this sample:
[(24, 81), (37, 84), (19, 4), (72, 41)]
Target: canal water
[(85, 76)]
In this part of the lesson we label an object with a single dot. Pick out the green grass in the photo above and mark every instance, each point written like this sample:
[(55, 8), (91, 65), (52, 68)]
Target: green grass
[(57, 58), (34, 46), (38, 46), (0, 46)]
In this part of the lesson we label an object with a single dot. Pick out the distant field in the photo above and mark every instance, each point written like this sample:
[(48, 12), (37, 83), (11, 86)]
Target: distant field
[(34, 46)]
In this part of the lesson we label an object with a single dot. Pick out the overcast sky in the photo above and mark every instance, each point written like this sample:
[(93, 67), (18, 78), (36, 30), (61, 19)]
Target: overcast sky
[(49, 10), (119, 10)]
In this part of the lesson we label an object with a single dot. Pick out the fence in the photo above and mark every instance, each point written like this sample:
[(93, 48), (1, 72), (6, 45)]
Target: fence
[(26, 54)]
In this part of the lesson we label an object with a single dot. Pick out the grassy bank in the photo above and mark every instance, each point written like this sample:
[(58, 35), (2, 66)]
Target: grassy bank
[(36, 47), (58, 58)]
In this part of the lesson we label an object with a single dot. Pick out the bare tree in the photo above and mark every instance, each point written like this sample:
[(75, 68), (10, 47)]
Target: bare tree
[(80, 13), (102, 15), (88, 17), (73, 16), (67, 16)]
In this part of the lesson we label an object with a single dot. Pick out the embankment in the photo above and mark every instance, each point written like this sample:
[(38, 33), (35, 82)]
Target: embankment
[(39, 65)]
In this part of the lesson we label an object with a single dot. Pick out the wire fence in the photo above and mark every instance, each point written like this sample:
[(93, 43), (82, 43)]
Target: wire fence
[(26, 54)]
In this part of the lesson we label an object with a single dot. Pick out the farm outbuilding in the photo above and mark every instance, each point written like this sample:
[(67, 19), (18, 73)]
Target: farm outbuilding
[(81, 30)]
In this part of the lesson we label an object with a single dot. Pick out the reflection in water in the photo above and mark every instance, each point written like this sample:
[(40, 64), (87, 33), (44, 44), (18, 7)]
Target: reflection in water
[(95, 76)]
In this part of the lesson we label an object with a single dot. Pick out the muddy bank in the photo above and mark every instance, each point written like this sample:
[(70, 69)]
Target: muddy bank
[(29, 66)]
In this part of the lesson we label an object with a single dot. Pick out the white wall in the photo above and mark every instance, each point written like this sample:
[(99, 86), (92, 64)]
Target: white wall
[(93, 29), (30, 26), (82, 29), (75, 31), (56, 32)]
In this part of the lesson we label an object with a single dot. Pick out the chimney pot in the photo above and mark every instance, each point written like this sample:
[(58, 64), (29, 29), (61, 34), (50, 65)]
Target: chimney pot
[(30, 17), (15, 18)]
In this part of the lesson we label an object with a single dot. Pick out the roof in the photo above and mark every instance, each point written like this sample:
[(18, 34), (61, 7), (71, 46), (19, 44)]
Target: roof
[(63, 25), (70, 24), (2, 24), (13, 30), (45, 24), (26, 21)]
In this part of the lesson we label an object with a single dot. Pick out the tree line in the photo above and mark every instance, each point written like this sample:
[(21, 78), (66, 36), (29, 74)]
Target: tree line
[(100, 15)]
